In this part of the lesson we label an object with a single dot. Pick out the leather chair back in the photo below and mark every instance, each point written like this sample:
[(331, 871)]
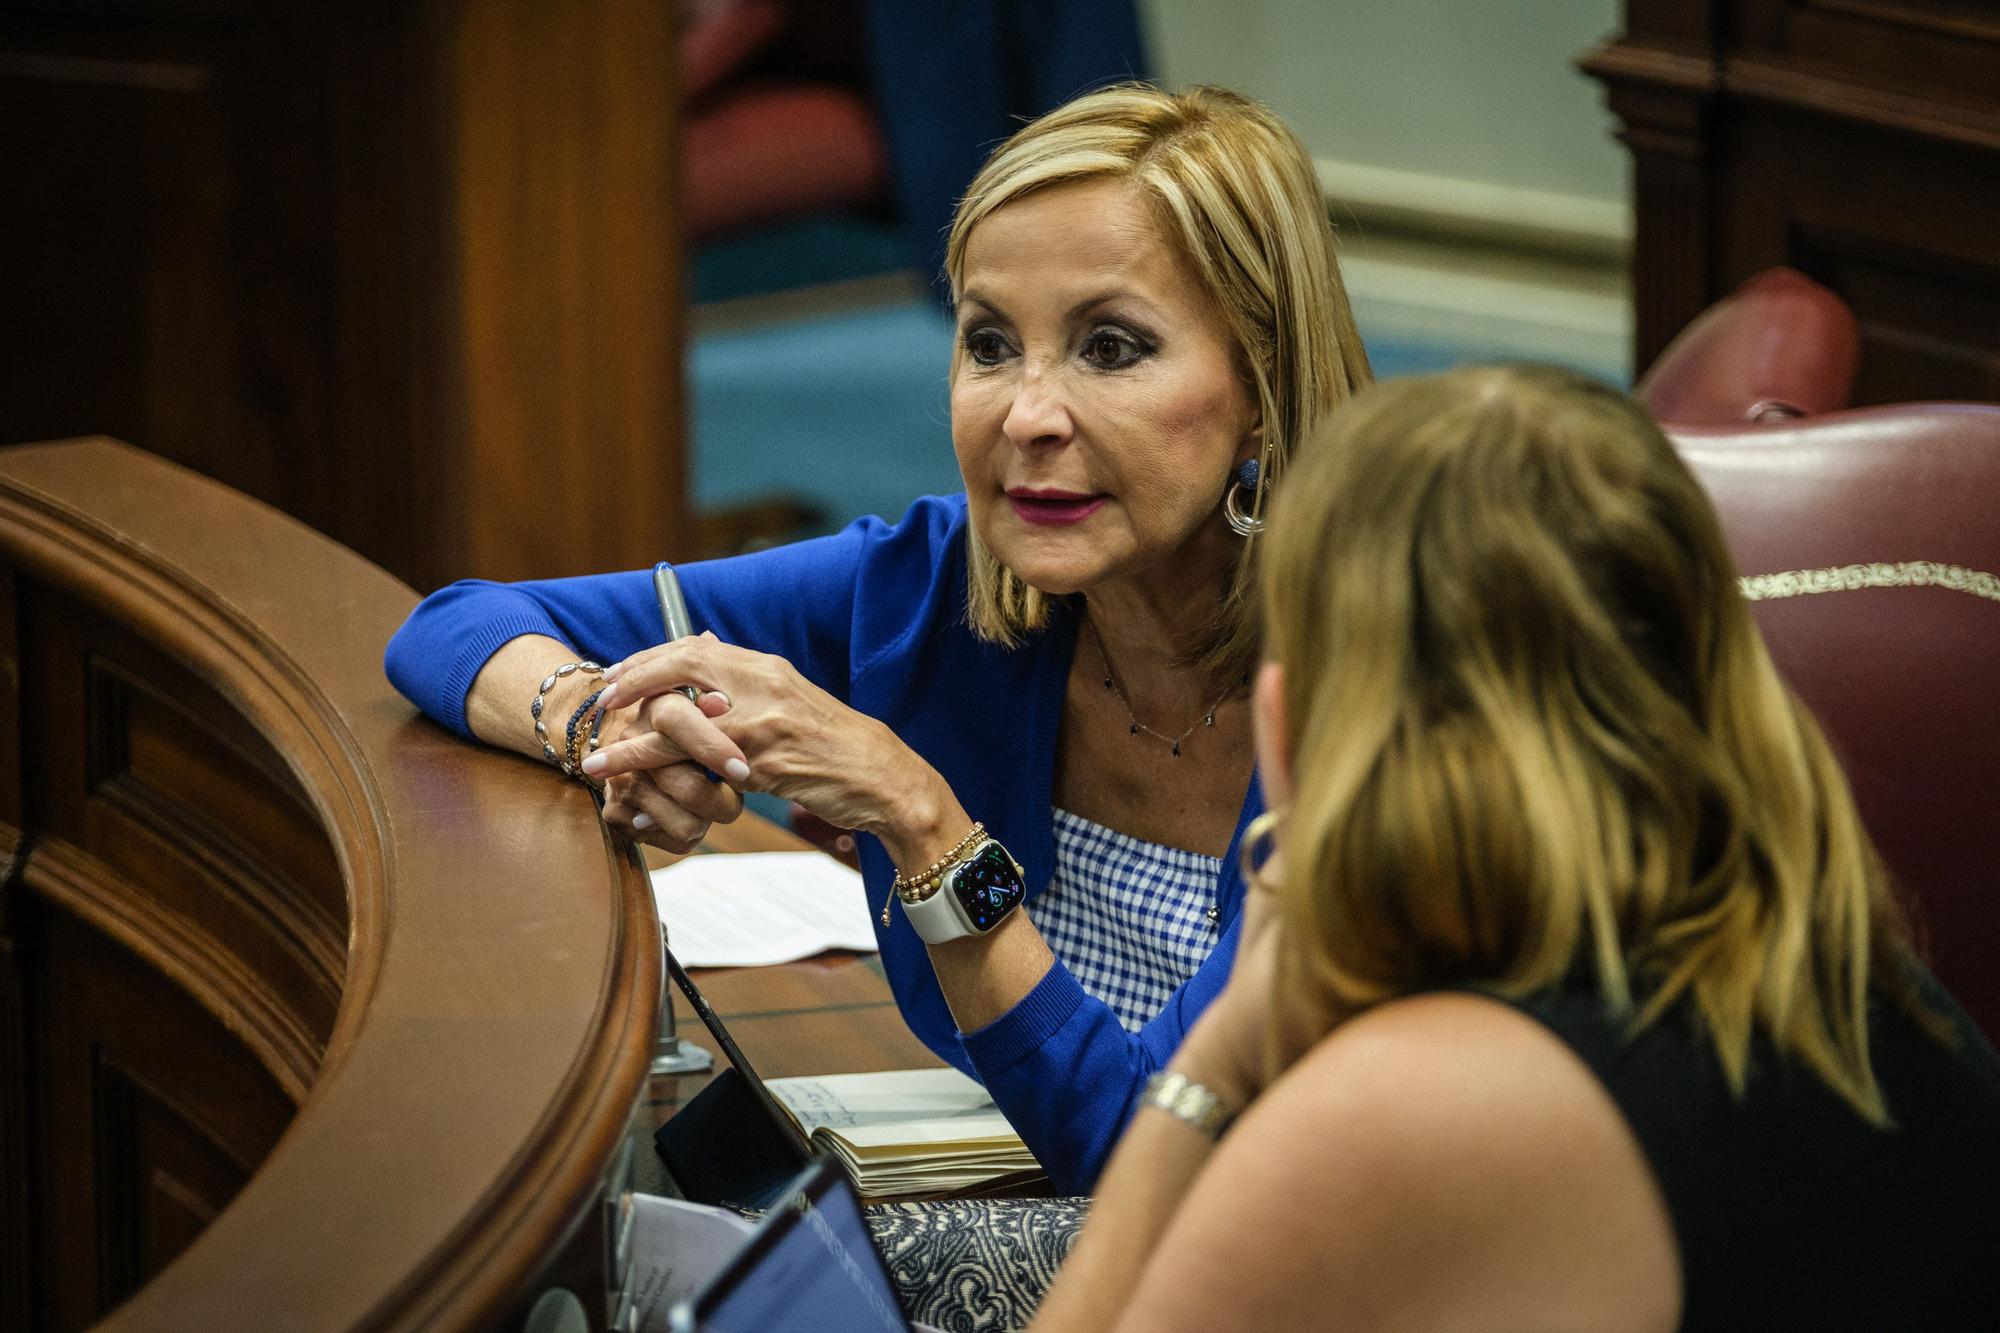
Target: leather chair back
[(1871, 544), (1778, 347)]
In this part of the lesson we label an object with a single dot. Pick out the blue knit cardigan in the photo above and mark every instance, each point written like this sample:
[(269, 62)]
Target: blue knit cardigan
[(875, 615)]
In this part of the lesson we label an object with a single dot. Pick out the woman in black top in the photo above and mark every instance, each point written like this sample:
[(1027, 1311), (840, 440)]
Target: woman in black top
[(1576, 999)]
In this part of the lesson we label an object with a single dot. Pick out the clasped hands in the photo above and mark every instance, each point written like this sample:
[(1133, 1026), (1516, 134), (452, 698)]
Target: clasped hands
[(759, 725)]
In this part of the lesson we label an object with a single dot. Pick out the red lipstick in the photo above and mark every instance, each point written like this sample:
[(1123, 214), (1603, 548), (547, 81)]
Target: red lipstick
[(1052, 508)]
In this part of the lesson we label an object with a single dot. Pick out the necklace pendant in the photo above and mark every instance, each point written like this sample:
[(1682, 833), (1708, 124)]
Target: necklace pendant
[(1107, 683), (1135, 729), (1177, 749), (1209, 720)]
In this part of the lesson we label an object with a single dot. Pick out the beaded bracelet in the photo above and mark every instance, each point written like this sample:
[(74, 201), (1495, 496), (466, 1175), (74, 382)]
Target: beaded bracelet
[(910, 888), (541, 702), (579, 739)]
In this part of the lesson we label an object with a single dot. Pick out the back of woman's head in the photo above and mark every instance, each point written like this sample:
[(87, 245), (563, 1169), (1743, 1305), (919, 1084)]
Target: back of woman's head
[(1536, 733)]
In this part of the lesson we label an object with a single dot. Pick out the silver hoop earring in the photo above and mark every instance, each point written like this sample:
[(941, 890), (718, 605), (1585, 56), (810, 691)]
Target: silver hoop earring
[(1242, 487)]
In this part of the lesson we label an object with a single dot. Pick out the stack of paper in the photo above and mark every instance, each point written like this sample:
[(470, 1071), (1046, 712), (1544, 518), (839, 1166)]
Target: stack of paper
[(912, 1131), (756, 908)]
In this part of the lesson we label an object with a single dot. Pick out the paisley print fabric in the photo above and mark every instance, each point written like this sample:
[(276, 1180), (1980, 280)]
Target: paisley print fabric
[(975, 1265)]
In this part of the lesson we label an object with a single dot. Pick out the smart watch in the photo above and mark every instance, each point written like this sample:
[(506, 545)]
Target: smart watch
[(969, 897)]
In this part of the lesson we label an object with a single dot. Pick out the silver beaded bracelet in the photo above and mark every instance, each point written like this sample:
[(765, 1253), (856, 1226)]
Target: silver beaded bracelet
[(549, 751), (1187, 1101)]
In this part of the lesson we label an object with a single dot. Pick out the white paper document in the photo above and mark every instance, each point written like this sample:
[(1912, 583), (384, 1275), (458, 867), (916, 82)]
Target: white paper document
[(676, 1247), (752, 909)]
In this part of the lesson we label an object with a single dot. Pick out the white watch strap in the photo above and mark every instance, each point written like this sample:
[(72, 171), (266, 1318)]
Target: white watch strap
[(938, 918)]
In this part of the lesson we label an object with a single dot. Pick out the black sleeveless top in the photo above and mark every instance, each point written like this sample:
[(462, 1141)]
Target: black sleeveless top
[(1790, 1210)]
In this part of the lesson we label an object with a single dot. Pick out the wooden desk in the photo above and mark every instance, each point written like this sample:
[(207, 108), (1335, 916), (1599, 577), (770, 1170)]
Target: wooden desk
[(827, 1015), (311, 1015)]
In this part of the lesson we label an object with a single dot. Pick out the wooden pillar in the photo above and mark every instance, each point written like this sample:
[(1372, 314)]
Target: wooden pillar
[(410, 273)]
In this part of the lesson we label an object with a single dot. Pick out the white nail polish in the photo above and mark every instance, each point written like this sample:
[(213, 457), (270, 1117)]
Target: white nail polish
[(736, 771), (642, 820)]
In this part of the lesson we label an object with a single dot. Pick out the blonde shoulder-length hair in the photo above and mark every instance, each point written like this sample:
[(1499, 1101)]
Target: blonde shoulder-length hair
[(1235, 192), (1537, 735)]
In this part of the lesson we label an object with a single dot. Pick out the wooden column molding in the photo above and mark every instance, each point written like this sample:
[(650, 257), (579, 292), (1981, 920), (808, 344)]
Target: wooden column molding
[(1855, 140), (320, 1018)]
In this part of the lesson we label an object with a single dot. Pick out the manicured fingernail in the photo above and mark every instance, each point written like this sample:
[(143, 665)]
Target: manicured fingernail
[(611, 672), (608, 697), (718, 694), (596, 764), (642, 820), (736, 771)]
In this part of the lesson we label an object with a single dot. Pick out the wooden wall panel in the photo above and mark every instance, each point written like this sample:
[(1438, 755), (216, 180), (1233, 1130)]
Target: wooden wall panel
[(1938, 50), (17, 1137), (410, 273), (569, 301), (243, 903), (164, 1117), (1856, 140)]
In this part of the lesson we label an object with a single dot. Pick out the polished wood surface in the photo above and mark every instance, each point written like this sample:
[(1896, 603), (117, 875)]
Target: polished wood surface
[(311, 1016), (409, 272), (1855, 140)]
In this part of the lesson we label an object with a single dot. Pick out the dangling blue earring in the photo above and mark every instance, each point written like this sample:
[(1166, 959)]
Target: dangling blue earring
[(1242, 488)]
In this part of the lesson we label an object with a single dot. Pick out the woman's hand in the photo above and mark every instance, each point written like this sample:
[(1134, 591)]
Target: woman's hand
[(779, 733), (673, 805)]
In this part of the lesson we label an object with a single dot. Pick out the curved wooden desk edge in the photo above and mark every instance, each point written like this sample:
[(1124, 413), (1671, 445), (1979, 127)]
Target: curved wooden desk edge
[(503, 965)]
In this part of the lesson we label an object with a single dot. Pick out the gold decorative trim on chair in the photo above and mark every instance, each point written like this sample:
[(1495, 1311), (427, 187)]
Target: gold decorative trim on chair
[(1846, 578)]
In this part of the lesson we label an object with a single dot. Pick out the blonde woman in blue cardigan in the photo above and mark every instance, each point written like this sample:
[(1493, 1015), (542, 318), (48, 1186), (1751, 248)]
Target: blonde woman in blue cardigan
[(1032, 691)]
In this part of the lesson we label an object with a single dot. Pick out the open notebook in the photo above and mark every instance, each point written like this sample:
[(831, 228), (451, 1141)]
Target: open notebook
[(910, 1131), (921, 1131)]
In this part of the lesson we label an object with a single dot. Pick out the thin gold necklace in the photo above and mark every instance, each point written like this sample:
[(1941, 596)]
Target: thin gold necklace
[(1111, 683)]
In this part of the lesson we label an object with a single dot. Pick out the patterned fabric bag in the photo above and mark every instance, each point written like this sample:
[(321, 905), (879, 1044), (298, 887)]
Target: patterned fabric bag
[(975, 1265)]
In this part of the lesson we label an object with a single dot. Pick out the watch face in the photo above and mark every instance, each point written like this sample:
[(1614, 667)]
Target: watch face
[(988, 887)]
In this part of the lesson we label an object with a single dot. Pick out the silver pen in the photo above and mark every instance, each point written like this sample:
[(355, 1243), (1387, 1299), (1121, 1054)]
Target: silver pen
[(673, 613)]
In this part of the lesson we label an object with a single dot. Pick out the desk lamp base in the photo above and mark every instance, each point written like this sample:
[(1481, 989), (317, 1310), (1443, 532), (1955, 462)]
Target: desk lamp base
[(674, 1056)]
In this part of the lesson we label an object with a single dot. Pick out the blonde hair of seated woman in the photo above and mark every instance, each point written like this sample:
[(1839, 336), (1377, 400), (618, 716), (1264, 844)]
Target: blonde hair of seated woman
[(1522, 729)]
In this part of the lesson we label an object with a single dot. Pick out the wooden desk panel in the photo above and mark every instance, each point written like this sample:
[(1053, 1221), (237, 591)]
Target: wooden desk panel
[(409, 272), (311, 1015), (1855, 140)]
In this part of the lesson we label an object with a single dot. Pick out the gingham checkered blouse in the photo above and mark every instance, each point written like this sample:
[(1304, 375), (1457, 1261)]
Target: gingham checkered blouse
[(1131, 920)]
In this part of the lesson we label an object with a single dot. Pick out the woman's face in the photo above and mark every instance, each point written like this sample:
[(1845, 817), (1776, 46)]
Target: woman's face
[(1096, 407)]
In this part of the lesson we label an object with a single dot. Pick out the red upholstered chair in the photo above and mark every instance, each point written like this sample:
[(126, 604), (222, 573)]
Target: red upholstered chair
[(763, 148), (1871, 542), (1779, 346)]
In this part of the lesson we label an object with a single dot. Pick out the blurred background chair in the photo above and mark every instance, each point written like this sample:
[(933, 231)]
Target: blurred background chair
[(778, 118), (1780, 346), (1871, 542)]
